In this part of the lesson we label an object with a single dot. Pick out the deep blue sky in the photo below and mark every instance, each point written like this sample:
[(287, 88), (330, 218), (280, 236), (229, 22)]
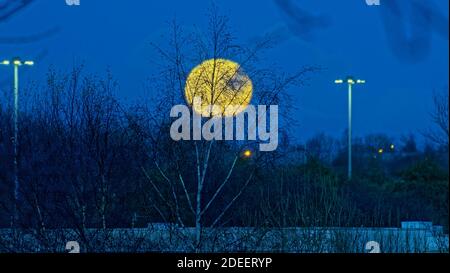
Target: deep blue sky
[(351, 39)]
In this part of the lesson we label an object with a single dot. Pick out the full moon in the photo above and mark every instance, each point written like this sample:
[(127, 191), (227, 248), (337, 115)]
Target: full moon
[(221, 83)]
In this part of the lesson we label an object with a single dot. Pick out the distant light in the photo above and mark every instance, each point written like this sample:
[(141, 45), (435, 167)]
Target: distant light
[(17, 62), (392, 147), (338, 81), (380, 151), (247, 153), (360, 81), (350, 81)]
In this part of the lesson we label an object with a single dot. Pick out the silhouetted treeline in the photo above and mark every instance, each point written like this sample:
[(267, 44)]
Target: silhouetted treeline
[(87, 160)]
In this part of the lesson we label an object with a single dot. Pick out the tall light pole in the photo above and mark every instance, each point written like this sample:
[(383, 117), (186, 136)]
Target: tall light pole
[(350, 81), (16, 63)]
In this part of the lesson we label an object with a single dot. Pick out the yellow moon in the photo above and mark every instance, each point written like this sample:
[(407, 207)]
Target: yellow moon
[(218, 82)]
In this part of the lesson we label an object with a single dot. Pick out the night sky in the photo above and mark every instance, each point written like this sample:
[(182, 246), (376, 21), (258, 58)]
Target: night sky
[(344, 37)]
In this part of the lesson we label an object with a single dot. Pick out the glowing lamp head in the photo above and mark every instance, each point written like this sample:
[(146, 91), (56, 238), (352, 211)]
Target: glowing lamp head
[(380, 151), (247, 154), (350, 80), (392, 147), (17, 62)]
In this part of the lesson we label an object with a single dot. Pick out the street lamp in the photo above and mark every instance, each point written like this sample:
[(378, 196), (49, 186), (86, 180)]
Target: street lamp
[(350, 81), (16, 62), (247, 153)]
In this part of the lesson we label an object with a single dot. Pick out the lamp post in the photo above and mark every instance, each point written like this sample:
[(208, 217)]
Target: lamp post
[(16, 63), (350, 81)]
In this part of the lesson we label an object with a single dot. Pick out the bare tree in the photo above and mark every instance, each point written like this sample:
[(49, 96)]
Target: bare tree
[(439, 116), (196, 183)]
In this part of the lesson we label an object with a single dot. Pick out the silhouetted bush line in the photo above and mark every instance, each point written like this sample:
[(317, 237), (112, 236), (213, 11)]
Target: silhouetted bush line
[(82, 156)]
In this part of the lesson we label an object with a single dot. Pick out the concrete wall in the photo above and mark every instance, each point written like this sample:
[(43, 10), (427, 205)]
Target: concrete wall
[(169, 238)]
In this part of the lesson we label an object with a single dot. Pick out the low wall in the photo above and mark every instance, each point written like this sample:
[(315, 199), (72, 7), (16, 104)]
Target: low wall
[(169, 238)]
